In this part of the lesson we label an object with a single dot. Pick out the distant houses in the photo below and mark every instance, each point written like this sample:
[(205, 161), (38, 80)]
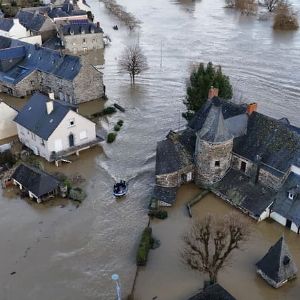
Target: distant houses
[(250, 160), (7, 127), (277, 266), (36, 183), (53, 129), (26, 68)]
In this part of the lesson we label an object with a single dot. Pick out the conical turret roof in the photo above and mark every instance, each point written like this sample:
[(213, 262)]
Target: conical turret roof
[(214, 129), (278, 264)]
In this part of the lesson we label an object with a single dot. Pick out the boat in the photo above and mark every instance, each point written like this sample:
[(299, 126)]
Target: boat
[(120, 189)]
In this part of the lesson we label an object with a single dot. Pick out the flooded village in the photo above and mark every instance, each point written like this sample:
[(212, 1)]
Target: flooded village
[(239, 155)]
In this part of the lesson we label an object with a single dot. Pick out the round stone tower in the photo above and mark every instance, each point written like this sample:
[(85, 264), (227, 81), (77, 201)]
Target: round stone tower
[(213, 147)]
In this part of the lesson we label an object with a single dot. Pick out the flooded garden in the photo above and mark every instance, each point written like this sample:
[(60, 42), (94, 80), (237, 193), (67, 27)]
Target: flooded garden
[(57, 250)]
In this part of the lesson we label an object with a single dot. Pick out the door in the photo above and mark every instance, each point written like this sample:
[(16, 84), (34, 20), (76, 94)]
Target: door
[(71, 140), (243, 166), (288, 224), (58, 145)]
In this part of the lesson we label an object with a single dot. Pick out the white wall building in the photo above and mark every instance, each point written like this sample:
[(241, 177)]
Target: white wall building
[(53, 129), (8, 127)]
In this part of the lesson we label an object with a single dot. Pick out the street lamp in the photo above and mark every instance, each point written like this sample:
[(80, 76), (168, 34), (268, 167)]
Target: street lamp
[(116, 279)]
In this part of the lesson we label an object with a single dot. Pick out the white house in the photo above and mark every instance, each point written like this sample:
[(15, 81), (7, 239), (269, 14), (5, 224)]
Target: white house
[(12, 28), (8, 127), (53, 129)]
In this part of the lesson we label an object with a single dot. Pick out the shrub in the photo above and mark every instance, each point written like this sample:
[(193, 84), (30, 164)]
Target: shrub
[(109, 110), (144, 247), (117, 128), (159, 214), (111, 137), (285, 18), (8, 158), (120, 123)]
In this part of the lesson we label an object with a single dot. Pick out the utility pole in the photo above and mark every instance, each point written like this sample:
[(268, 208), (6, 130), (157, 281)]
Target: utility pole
[(116, 279), (161, 53)]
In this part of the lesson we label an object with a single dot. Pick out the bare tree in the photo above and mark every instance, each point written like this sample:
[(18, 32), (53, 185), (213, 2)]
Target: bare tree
[(133, 61), (244, 6), (271, 4), (210, 241)]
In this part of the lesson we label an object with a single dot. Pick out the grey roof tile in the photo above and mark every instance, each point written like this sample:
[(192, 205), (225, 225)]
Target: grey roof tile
[(33, 116), (213, 292), (6, 24), (278, 264), (35, 180)]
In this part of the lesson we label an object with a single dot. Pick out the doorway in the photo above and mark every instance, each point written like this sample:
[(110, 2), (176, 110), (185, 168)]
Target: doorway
[(243, 166), (288, 224), (71, 140)]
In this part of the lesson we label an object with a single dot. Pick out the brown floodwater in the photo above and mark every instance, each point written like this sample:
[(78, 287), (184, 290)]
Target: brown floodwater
[(61, 251), (167, 278)]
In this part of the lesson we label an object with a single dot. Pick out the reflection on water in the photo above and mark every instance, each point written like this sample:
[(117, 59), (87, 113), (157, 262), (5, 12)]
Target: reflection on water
[(73, 252)]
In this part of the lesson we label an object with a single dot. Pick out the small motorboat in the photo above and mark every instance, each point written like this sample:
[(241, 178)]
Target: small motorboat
[(120, 189)]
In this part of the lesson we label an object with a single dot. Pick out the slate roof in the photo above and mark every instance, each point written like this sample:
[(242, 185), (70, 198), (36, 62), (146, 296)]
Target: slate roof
[(35, 180), (240, 191), (9, 53), (278, 264), (172, 155), (75, 29), (214, 129), (229, 109), (6, 24), (34, 117), (237, 125), (274, 141), (31, 20), (165, 194), (213, 292), (39, 58), (283, 205)]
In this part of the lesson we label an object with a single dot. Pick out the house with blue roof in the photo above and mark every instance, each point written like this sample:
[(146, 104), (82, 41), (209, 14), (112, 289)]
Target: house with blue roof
[(26, 68), (248, 159), (53, 129)]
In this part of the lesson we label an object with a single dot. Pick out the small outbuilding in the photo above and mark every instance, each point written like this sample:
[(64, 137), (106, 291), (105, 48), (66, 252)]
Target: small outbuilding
[(213, 292), (39, 184), (277, 266)]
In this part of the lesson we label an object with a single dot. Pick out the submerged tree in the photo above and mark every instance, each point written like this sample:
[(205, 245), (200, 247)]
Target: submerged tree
[(133, 61), (285, 18), (201, 80), (210, 241)]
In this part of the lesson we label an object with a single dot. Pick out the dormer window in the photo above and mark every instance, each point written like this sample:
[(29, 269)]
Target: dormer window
[(291, 196)]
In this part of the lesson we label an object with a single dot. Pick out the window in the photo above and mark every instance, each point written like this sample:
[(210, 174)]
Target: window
[(217, 163), (83, 135), (42, 142), (84, 49), (84, 41), (71, 122), (291, 196), (243, 166)]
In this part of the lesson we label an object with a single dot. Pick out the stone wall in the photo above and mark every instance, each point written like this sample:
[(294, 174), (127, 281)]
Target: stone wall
[(212, 161), (174, 179), (236, 162), (268, 179), (88, 84)]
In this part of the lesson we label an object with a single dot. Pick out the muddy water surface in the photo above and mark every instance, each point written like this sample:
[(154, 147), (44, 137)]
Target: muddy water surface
[(59, 251)]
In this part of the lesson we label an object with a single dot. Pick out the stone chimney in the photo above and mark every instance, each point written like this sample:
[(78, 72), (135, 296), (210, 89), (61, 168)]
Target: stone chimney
[(251, 108), (213, 92), (50, 104)]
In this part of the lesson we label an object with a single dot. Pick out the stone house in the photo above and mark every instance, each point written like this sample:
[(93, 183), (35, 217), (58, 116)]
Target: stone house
[(277, 266), (29, 68), (248, 159), (80, 36), (38, 184), (7, 127), (53, 129)]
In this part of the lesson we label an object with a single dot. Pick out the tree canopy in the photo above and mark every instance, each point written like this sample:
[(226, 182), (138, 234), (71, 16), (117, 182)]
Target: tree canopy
[(201, 80)]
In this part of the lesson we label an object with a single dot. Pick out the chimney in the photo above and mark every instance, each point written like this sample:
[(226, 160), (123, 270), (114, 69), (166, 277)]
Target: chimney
[(16, 21), (213, 92), (251, 108), (49, 105), (51, 96)]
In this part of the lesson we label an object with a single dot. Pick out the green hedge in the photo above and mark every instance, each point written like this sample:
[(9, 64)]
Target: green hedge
[(159, 214), (120, 123), (111, 137), (117, 128), (144, 247), (109, 110)]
